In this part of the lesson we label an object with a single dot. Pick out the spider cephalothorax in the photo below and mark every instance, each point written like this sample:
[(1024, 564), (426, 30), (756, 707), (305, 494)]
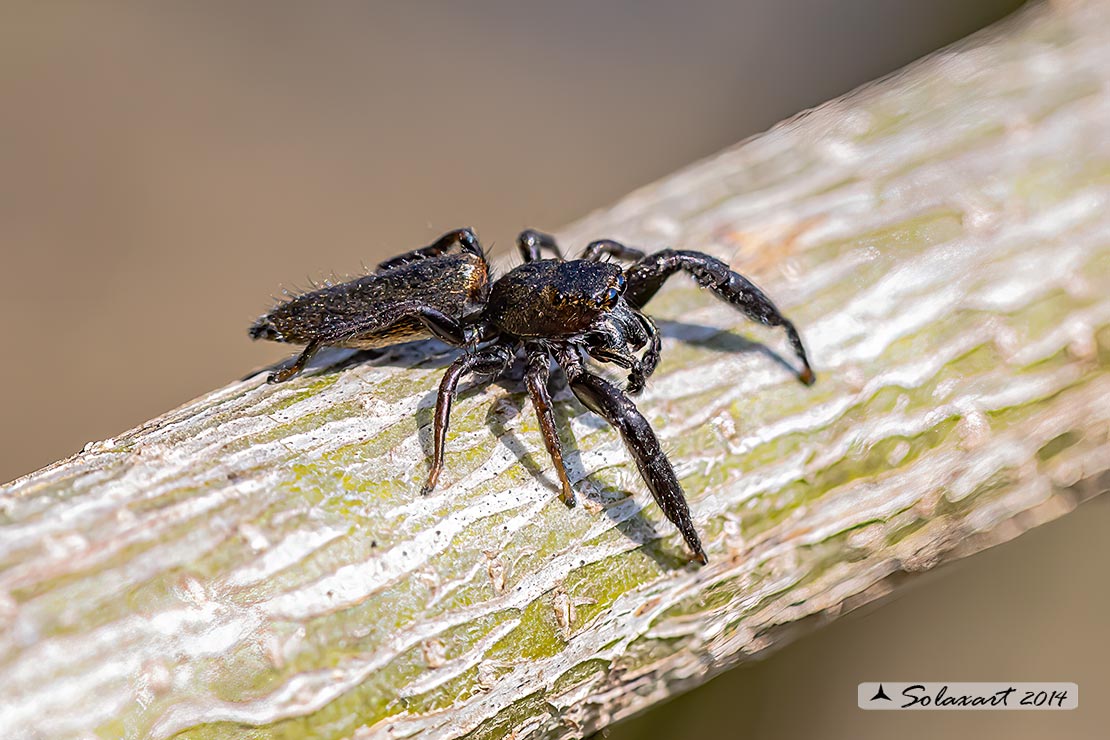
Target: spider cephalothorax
[(547, 309)]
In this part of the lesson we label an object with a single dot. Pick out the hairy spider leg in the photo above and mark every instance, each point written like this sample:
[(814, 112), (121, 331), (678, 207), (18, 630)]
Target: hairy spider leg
[(535, 378), (648, 275), (294, 368), (594, 251), (608, 402), (530, 242), (487, 361), (463, 237)]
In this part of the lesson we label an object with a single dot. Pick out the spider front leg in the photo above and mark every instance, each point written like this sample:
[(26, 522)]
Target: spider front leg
[(607, 401), (648, 275), (489, 361), (536, 379)]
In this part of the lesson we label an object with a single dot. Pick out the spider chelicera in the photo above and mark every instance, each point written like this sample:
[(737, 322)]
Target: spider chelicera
[(547, 309)]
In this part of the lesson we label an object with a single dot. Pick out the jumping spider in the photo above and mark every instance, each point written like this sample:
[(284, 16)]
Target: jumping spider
[(546, 308)]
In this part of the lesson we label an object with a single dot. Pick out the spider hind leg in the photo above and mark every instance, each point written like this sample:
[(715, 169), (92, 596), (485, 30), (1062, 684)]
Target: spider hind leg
[(293, 369), (465, 238)]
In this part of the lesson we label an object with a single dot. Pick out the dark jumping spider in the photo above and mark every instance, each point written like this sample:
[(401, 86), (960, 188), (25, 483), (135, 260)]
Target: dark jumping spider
[(546, 308)]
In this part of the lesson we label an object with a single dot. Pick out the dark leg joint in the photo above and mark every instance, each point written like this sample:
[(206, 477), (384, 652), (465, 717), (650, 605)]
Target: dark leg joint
[(594, 251), (530, 243), (442, 326)]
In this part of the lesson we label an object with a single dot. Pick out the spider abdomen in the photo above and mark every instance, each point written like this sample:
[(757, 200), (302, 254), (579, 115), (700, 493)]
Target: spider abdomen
[(363, 313)]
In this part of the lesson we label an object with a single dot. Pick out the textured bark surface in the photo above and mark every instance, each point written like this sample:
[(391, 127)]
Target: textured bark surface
[(260, 563)]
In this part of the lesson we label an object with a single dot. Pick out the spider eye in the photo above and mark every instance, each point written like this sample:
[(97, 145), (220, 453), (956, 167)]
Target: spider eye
[(620, 283), (611, 297)]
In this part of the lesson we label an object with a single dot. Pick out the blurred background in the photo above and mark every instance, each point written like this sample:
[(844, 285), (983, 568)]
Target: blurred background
[(165, 168)]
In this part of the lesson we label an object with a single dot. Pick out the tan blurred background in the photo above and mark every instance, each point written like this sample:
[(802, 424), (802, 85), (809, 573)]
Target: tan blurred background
[(164, 168)]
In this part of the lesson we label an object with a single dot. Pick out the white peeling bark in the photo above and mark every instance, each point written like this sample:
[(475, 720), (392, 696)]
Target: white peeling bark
[(260, 563)]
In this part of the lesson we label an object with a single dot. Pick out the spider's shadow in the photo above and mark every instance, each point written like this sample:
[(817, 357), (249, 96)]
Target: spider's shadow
[(333, 360), (632, 524), (434, 354), (719, 340)]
